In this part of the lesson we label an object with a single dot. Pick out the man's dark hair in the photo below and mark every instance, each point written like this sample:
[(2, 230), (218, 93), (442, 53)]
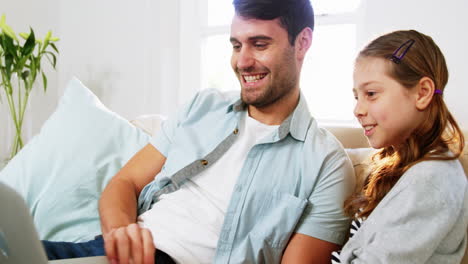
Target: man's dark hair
[(294, 15)]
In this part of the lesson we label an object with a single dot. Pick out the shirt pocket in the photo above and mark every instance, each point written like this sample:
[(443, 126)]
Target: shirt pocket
[(277, 217)]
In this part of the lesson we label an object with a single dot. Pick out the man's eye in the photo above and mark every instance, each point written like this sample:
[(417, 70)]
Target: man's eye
[(260, 45), (236, 47)]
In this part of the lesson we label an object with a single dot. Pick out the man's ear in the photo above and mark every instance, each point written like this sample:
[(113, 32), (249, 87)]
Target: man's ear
[(425, 92), (303, 42)]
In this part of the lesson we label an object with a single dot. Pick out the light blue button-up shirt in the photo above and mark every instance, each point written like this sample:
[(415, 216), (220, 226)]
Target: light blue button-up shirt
[(294, 181)]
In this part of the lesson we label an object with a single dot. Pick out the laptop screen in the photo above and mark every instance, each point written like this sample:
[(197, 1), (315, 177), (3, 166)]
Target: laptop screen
[(19, 242)]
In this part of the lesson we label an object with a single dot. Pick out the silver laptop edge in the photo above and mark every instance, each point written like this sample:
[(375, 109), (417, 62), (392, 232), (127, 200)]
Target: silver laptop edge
[(19, 241)]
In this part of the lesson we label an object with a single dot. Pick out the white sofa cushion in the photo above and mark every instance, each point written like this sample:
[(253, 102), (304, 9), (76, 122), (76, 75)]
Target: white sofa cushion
[(62, 171)]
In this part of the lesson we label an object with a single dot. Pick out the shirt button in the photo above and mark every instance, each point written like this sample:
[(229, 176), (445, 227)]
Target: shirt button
[(236, 131), (204, 162)]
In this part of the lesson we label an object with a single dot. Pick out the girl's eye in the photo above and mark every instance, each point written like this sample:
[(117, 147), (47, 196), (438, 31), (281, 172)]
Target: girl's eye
[(371, 94)]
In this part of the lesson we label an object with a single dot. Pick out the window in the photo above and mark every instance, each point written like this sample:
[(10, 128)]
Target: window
[(326, 78)]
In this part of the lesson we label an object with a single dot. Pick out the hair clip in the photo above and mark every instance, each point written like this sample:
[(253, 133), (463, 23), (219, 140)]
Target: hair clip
[(437, 91), (397, 58)]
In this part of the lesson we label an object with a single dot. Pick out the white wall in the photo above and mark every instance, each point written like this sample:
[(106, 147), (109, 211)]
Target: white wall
[(128, 52), (125, 51)]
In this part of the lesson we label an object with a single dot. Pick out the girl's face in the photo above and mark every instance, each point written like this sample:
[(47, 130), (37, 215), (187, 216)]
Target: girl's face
[(386, 109)]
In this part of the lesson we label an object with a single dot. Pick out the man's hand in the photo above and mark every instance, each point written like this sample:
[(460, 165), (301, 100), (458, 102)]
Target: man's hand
[(129, 244)]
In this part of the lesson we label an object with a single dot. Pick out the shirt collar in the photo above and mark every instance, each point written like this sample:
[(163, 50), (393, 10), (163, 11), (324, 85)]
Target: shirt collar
[(237, 106), (296, 124)]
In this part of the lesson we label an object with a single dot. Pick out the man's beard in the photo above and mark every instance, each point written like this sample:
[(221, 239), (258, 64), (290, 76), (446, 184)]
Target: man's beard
[(273, 92)]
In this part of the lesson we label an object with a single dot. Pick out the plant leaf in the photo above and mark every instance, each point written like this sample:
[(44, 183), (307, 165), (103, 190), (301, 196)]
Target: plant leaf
[(29, 45), (48, 35), (54, 58), (24, 35), (44, 81), (46, 39), (54, 47), (25, 75), (38, 63), (32, 65), (9, 31), (8, 65), (21, 63), (9, 46), (3, 20)]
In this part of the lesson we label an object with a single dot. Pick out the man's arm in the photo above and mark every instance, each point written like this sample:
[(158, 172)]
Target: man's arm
[(118, 208), (306, 249)]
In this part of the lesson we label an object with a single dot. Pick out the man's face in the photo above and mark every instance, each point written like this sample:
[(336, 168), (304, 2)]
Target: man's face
[(263, 60)]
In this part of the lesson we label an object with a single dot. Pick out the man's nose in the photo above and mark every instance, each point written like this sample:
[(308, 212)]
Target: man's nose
[(245, 59)]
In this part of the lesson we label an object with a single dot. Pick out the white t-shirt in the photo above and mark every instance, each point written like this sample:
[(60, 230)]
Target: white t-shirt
[(186, 223)]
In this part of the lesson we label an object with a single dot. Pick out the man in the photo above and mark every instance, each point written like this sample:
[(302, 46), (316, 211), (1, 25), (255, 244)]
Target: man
[(247, 179)]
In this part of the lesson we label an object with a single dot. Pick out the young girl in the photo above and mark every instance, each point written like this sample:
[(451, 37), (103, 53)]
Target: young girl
[(413, 206)]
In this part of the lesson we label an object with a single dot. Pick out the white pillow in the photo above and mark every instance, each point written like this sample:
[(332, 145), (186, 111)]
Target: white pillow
[(62, 171)]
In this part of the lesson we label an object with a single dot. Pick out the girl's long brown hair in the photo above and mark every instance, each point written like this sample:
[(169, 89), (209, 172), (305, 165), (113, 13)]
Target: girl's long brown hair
[(432, 140)]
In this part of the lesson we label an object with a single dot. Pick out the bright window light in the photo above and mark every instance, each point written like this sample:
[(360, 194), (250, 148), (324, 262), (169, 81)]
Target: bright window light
[(326, 77), (334, 6), (220, 12), (216, 68)]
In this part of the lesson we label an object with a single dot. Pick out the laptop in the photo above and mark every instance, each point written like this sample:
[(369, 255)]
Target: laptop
[(19, 241)]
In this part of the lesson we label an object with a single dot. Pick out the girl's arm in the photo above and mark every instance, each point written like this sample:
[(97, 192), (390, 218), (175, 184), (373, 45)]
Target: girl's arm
[(422, 218)]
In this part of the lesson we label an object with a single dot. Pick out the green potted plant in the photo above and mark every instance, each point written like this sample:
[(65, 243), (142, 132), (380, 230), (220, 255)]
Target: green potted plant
[(20, 65)]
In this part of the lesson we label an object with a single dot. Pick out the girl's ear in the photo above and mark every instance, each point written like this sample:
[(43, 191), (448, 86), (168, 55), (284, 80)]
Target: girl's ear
[(303, 42), (425, 92)]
